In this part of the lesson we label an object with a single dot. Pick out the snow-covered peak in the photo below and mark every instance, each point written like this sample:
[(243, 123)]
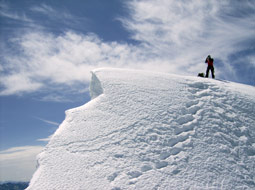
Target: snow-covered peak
[(144, 130)]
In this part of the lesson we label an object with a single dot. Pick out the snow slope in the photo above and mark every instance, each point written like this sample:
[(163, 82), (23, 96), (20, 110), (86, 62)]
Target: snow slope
[(144, 130)]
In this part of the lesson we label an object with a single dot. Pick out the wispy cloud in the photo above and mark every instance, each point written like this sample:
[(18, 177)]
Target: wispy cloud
[(45, 139), (60, 97), (18, 163), (6, 12), (15, 16), (48, 121), (45, 9), (173, 36), (51, 12)]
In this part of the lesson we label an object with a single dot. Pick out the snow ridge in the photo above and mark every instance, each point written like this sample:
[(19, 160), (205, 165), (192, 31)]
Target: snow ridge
[(154, 131)]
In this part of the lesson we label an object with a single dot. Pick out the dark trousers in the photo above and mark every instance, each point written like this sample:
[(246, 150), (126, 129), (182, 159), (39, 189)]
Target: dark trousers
[(212, 71)]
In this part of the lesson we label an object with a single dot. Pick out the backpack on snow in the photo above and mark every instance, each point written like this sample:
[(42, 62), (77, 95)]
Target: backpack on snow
[(201, 75)]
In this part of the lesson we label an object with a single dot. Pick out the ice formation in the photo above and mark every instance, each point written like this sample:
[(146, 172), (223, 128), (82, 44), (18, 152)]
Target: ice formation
[(145, 130)]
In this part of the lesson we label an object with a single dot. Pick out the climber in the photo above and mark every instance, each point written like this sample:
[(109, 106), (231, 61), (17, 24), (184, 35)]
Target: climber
[(209, 60)]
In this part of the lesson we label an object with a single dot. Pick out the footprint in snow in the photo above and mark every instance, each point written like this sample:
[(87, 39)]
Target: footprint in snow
[(134, 174), (161, 164), (146, 168)]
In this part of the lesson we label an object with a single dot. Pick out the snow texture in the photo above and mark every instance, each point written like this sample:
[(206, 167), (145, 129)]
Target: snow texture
[(144, 130)]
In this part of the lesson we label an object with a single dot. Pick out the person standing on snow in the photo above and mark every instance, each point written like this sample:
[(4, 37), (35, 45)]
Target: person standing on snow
[(209, 60)]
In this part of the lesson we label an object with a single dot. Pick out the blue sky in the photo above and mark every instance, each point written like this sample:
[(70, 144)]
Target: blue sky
[(48, 49)]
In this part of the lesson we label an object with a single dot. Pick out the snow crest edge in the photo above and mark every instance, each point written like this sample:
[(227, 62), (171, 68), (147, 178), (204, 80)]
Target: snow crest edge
[(95, 87)]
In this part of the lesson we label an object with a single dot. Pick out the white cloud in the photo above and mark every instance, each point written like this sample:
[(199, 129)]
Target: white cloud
[(18, 163), (18, 82)]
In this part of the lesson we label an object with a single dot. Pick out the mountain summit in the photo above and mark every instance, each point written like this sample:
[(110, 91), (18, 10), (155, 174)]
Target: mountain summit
[(145, 130)]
